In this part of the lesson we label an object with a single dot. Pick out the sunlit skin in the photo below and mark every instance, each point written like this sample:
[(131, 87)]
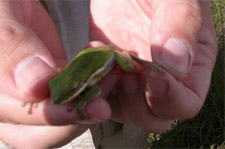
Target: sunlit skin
[(142, 28)]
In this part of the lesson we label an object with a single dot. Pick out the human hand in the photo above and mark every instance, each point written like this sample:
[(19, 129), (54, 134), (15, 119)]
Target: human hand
[(179, 35), (31, 53)]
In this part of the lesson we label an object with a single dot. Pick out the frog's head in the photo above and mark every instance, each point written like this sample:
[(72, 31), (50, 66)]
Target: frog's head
[(62, 92)]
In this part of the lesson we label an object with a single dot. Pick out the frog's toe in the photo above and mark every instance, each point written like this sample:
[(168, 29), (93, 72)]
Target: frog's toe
[(80, 113)]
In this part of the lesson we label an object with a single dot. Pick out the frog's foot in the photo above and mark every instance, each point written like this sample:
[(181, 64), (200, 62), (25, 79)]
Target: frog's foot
[(89, 94), (31, 105), (148, 65), (80, 113)]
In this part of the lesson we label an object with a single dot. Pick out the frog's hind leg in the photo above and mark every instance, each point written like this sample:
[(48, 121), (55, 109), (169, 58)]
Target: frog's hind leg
[(91, 93), (124, 60)]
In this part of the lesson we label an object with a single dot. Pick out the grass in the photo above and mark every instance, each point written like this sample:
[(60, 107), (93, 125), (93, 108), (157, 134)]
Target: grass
[(207, 129)]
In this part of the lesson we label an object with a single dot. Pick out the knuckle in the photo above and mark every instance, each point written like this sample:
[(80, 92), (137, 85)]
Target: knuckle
[(191, 10), (8, 33), (10, 36)]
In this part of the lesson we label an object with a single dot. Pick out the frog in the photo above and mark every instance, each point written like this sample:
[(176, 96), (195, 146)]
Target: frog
[(80, 77)]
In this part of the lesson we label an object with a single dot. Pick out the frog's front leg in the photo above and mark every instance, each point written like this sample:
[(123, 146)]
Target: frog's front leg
[(89, 94)]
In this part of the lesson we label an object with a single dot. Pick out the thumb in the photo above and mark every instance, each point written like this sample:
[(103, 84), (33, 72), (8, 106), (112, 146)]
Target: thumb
[(26, 65), (174, 32)]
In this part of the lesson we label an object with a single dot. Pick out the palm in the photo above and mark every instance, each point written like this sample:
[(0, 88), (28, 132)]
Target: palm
[(123, 24)]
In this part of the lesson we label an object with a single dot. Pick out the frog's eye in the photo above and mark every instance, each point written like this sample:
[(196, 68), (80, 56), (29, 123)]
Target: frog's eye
[(77, 88), (74, 90)]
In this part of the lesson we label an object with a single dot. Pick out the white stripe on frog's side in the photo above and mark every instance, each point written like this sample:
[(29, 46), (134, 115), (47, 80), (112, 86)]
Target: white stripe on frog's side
[(105, 69)]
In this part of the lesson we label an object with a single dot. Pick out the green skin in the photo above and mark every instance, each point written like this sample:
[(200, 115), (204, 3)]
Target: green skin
[(78, 79)]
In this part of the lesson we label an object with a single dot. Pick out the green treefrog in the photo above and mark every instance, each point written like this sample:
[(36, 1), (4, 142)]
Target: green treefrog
[(78, 79)]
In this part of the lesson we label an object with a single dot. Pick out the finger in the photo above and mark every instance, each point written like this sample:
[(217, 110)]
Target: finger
[(26, 64), (30, 136), (46, 113), (174, 34), (172, 99), (113, 100), (47, 32), (134, 106)]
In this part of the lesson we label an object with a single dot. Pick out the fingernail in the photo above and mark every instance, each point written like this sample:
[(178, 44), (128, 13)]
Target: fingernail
[(156, 86), (176, 55), (31, 71)]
